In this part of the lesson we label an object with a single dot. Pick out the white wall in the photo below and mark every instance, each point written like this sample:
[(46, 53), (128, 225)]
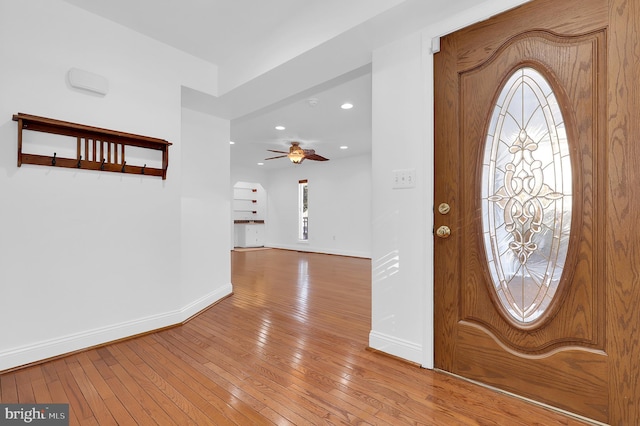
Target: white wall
[(402, 251), (401, 217), (205, 208), (88, 257), (339, 207)]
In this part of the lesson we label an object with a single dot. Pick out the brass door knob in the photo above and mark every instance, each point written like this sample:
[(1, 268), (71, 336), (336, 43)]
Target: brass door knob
[(443, 231)]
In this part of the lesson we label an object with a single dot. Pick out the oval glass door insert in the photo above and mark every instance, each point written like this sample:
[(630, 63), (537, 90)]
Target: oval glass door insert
[(526, 195)]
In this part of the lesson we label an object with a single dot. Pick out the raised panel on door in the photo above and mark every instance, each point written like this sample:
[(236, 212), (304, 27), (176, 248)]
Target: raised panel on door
[(531, 329)]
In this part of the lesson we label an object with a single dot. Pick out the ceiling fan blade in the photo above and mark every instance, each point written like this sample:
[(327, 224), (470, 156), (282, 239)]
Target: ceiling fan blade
[(315, 157), (279, 156), (279, 152)]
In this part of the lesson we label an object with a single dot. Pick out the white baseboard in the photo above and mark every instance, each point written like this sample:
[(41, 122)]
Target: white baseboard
[(61, 345), (312, 249), (396, 347), (207, 300)]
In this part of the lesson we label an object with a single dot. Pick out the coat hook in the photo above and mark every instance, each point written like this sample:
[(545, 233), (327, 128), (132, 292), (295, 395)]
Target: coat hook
[(124, 163), (53, 160), (102, 165), (142, 171), (79, 162)]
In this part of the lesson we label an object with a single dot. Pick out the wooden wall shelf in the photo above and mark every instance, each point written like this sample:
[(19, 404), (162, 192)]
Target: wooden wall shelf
[(103, 149)]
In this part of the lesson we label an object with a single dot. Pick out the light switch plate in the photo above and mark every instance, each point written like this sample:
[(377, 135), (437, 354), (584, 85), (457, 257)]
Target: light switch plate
[(405, 178)]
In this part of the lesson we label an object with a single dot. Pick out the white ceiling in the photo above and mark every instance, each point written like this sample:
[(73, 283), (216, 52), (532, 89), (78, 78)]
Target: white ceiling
[(272, 56), (321, 125), (222, 31)]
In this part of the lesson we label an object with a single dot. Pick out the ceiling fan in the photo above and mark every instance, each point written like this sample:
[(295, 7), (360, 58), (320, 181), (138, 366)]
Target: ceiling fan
[(297, 155)]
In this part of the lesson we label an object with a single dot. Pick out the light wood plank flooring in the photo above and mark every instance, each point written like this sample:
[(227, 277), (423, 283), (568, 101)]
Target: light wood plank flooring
[(288, 348)]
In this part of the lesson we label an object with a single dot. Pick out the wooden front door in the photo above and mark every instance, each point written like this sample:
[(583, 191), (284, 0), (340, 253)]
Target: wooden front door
[(520, 162)]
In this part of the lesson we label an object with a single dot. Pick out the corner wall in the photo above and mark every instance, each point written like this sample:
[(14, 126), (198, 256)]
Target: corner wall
[(401, 217), (205, 210), (89, 257)]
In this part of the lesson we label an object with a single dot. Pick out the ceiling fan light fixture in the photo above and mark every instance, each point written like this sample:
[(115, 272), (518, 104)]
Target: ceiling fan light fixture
[(296, 154), (296, 158)]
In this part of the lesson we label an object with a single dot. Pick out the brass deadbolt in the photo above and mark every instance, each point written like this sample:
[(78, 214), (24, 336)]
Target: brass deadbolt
[(444, 208)]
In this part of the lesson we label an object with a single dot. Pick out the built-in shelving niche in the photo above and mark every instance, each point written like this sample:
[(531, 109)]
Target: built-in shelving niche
[(249, 208), (96, 148)]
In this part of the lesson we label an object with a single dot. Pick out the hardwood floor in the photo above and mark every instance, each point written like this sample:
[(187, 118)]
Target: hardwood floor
[(289, 347)]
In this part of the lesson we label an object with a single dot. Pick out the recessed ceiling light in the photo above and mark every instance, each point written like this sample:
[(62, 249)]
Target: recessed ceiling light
[(260, 164), (232, 143), (280, 127), (346, 105), (344, 147)]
